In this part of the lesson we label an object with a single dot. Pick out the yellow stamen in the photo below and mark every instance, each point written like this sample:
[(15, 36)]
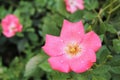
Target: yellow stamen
[(73, 49)]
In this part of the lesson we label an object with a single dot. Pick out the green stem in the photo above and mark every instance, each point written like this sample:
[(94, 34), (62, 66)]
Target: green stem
[(101, 11), (108, 17), (111, 11), (108, 5), (99, 16), (114, 9)]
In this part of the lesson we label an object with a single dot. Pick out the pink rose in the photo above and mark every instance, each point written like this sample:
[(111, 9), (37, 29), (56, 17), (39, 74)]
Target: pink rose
[(74, 5), (73, 50), (11, 25)]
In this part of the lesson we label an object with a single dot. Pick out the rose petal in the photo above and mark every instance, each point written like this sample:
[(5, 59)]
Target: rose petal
[(79, 66), (19, 28), (71, 8), (88, 54), (8, 33), (59, 63), (83, 62), (92, 41), (10, 25), (80, 4), (12, 17), (53, 46), (72, 31)]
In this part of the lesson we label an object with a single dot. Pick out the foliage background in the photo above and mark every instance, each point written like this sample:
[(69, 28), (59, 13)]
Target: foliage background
[(21, 57)]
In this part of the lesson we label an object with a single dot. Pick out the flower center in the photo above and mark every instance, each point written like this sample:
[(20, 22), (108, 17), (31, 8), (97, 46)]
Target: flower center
[(73, 49), (72, 2), (12, 27)]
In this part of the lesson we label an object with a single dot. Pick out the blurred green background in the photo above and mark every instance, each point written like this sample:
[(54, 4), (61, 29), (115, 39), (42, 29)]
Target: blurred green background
[(21, 57)]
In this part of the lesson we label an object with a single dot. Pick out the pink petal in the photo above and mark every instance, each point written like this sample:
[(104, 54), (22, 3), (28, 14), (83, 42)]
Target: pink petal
[(88, 54), (83, 62), (70, 8), (82, 66), (9, 19), (92, 41), (72, 31), (53, 46), (59, 63), (19, 28), (10, 25), (80, 4), (8, 34), (12, 18)]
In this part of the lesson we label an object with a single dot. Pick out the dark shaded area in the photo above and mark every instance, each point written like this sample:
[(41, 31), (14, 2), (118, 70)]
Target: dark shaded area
[(10, 53)]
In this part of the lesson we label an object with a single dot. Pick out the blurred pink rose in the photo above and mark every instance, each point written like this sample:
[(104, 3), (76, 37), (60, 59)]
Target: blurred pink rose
[(74, 5), (73, 50), (11, 25)]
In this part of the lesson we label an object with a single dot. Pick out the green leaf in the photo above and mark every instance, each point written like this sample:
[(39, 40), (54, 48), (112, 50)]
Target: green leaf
[(17, 12), (90, 15), (116, 69), (3, 12), (60, 7), (89, 28), (21, 45), (58, 76), (33, 36), (77, 16), (26, 10), (107, 27), (26, 22), (111, 28), (102, 54), (106, 75), (91, 4), (98, 78), (102, 28), (58, 22), (19, 34), (79, 77), (40, 3), (32, 65), (101, 76), (101, 37), (45, 66), (101, 69), (115, 61), (116, 45), (116, 77), (50, 27)]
